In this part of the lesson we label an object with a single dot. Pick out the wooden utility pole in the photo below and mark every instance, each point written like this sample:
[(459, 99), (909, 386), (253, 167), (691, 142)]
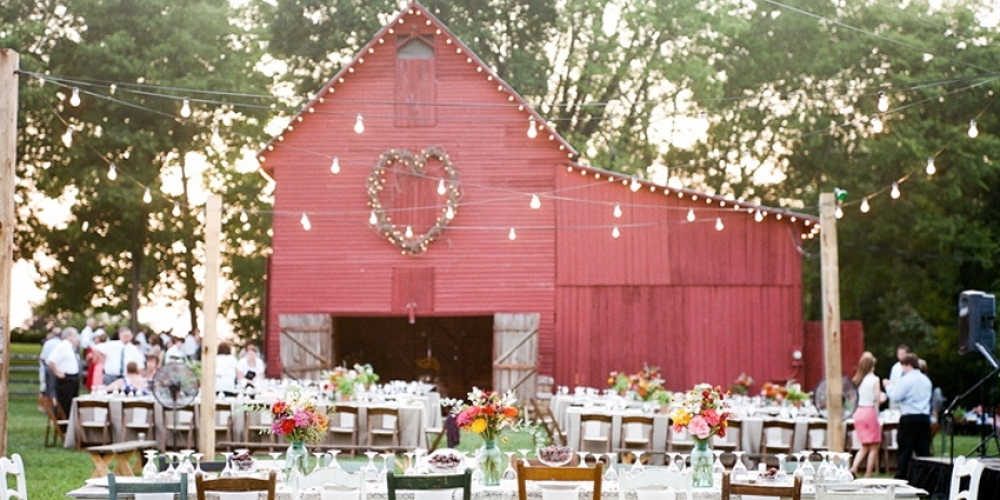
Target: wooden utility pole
[(209, 341), (8, 159), (830, 270)]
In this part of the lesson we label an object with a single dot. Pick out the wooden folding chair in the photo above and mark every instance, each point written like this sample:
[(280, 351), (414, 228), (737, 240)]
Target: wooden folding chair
[(527, 473), (591, 442), (377, 430), (461, 481), (545, 418), (236, 485), (631, 440), (770, 445), (92, 415), (341, 433), (179, 487), (57, 421), (793, 491), (138, 416)]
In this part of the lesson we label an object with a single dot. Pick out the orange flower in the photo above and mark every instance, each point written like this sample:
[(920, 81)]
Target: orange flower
[(510, 411)]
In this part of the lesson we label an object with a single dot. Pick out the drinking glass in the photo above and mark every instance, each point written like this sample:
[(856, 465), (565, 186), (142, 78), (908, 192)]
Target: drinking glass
[(370, 470), (611, 474), (334, 464), (673, 462), (583, 458), (319, 459), (227, 471), (524, 454), (739, 468), (150, 471), (509, 473), (637, 465), (197, 463), (717, 467), (409, 463), (385, 464), (275, 465), (684, 460)]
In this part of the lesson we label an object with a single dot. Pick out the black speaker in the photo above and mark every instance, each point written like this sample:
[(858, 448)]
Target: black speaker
[(976, 311)]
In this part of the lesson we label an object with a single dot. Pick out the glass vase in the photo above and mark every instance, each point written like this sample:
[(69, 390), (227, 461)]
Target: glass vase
[(490, 463), (296, 461), (701, 464)]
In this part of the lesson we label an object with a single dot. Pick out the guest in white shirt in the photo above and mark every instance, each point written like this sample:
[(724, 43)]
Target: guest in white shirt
[(117, 354), (250, 366), (64, 363), (46, 382), (225, 370), (87, 334), (897, 371), (174, 352)]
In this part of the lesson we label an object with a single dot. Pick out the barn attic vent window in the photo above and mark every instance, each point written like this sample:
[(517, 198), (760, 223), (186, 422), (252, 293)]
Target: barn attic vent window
[(416, 81)]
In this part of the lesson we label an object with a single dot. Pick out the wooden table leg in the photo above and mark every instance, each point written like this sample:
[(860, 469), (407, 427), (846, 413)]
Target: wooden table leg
[(101, 464), (123, 463)]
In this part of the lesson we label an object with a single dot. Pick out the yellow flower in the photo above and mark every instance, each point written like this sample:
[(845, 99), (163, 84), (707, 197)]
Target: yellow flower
[(681, 416), (478, 425), (504, 439)]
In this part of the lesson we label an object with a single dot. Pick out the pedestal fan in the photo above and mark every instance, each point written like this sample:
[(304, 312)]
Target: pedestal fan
[(175, 385), (848, 391)]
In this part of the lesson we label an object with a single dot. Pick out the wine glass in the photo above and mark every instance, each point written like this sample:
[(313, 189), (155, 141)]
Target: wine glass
[(227, 471), (197, 463), (409, 463), (385, 464), (509, 473), (673, 462), (334, 464), (808, 471), (717, 467), (524, 454), (275, 455), (637, 465), (149, 471), (684, 460), (739, 468), (171, 468), (185, 467), (798, 466), (319, 459), (583, 458), (611, 474), (370, 470)]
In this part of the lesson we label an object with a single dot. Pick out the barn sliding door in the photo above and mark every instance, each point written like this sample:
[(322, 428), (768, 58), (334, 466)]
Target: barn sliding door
[(515, 353), (306, 344)]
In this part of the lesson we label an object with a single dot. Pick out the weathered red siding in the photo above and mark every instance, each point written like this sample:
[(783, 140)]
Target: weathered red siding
[(702, 304)]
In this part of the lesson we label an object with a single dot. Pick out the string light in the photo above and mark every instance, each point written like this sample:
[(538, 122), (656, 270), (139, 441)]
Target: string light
[(615, 232), (719, 226), (74, 100), (634, 186), (532, 128), (112, 172), (216, 139), (512, 235), (186, 108), (536, 202), (67, 137), (449, 213), (373, 219), (147, 197), (973, 129), (85, 226), (359, 124), (176, 212), (690, 217), (335, 166), (112, 88), (883, 102), (894, 193), (243, 216), (617, 212), (306, 224), (838, 212), (931, 169), (409, 232), (877, 125), (442, 189), (864, 205), (758, 216)]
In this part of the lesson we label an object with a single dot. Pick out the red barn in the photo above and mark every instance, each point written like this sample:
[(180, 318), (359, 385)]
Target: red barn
[(420, 227)]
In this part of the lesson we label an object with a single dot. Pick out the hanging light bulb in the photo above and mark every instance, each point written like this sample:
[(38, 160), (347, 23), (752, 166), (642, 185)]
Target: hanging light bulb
[(74, 100), (373, 219), (883, 102), (973, 129), (306, 224), (532, 129), (112, 172), (147, 196), (719, 226), (617, 212), (176, 212), (634, 186), (615, 232), (864, 206), (877, 126), (931, 169), (442, 189), (243, 216), (758, 216), (449, 213), (536, 202), (838, 212), (512, 235), (359, 124), (186, 108), (690, 216), (409, 232), (67, 137), (85, 226), (894, 193), (335, 166), (216, 140)]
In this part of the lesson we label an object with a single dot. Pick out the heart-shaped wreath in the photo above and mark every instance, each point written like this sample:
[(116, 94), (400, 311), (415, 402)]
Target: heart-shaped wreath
[(403, 162)]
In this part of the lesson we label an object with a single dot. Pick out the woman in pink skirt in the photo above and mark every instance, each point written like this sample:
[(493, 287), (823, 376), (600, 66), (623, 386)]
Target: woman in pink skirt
[(866, 425)]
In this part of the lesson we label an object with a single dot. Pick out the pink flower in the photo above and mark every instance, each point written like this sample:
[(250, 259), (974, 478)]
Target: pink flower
[(711, 417), (301, 419), (699, 427)]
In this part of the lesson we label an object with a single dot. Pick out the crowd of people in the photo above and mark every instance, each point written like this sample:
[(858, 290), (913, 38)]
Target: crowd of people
[(126, 362)]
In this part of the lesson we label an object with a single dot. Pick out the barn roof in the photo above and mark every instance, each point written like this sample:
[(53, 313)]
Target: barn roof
[(415, 9)]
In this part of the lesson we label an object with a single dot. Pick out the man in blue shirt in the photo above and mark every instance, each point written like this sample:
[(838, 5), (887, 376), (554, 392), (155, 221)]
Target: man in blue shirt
[(913, 393)]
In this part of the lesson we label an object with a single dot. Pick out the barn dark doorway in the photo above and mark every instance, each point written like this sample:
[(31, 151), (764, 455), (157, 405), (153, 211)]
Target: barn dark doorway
[(456, 353)]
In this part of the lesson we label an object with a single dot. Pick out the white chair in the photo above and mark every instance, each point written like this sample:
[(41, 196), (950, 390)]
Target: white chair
[(825, 493), (13, 466), (346, 486), (962, 467), (656, 479)]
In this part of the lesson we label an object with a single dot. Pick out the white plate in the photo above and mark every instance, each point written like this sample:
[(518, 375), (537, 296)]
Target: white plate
[(874, 481), (559, 485)]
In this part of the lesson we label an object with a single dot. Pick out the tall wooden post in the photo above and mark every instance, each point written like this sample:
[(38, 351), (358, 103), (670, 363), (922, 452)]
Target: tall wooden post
[(830, 270), (8, 159), (209, 341)]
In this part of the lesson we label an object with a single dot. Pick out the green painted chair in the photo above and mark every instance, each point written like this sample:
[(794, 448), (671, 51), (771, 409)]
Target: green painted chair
[(179, 487), (449, 482)]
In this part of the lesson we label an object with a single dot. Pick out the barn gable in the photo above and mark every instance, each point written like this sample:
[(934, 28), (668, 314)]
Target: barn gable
[(418, 186)]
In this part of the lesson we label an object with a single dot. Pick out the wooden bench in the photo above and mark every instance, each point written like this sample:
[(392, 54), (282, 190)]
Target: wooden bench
[(118, 457)]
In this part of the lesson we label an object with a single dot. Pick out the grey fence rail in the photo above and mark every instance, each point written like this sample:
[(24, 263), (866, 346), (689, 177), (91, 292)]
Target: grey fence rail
[(23, 374)]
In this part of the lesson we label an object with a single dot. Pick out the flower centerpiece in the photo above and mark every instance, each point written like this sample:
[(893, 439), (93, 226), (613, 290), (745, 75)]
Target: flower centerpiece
[(645, 385), (296, 417), (344, 381), (487, 413), (774, 393), (742, 385), (794, 393), (704, 412)]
